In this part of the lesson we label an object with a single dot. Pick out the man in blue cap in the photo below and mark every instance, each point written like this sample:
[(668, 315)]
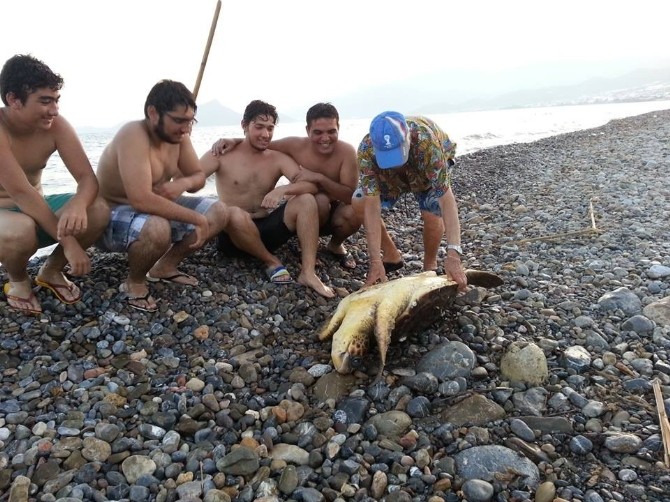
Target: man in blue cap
[(400, 155)]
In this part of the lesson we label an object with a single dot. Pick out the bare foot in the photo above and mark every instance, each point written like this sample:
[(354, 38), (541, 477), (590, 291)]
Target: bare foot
[(312, 281)]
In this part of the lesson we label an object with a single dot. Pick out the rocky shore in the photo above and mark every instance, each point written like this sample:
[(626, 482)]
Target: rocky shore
[(541, 389)]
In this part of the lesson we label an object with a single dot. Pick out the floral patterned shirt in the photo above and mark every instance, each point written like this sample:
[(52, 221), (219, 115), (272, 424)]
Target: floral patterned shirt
[(430, 155)]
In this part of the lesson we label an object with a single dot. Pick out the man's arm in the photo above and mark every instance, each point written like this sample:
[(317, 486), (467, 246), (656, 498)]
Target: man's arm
[(372, 221), (30, 201), (290, 169), (25, 196), (74, 218), (336, 189), (372, 211), (133, 152), (452, 262), (190, 177), (283, 145), (209, 164), (223, 145)]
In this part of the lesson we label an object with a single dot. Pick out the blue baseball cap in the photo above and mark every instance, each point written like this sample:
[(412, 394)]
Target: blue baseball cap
[(390, 138)]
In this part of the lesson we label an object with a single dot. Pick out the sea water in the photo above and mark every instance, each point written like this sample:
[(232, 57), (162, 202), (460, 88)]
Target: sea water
[(472, 131)]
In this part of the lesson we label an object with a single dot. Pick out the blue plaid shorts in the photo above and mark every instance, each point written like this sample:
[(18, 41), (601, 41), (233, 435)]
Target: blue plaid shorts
[(125, 224)]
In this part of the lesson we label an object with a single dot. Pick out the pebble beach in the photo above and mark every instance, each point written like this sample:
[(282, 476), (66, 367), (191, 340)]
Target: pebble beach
[(541, 389)]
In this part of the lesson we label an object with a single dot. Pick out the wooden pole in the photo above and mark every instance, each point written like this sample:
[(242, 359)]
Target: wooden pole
[(212, 29)]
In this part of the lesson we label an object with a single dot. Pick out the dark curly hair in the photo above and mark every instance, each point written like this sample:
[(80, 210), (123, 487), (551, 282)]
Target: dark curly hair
[(23, 74), (322, 111), (166, 95), (258, 108)]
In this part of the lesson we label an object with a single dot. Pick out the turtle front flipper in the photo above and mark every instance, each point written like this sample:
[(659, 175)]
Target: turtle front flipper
[(390, 307), (351, 341), (483, 278), (335, 321)]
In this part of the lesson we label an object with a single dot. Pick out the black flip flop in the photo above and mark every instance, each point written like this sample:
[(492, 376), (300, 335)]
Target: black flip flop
[(136, 306), (343, 259), (392, 267)]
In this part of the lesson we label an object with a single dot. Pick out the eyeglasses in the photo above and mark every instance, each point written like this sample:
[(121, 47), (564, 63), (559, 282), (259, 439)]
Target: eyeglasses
[(181, 120)]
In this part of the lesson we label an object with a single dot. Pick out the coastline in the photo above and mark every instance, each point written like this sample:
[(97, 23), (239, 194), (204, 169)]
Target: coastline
[(229, 382)]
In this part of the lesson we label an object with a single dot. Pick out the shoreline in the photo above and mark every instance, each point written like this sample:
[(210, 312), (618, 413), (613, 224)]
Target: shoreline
[(228, 381)]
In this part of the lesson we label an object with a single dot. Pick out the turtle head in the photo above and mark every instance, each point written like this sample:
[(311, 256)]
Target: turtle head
[(348, 353)]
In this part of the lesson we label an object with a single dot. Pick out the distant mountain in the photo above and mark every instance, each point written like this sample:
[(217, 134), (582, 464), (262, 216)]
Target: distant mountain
[(640, 85), (214, 113), (462, 91), (475, 90)]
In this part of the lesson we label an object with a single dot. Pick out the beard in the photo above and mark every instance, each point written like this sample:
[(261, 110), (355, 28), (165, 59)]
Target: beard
[(159, 131)]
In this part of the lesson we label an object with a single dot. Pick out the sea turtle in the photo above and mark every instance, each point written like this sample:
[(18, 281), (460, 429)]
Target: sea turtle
[(403, 305)]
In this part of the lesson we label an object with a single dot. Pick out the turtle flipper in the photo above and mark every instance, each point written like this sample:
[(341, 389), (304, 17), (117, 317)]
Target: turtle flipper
[(335, 321), (483, 278), (351, 341)]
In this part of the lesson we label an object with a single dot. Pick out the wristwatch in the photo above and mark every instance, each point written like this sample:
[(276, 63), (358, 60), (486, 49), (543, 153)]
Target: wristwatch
[(455, 247)]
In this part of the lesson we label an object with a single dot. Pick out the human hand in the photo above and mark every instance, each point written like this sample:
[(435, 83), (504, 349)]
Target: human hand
[(454, 270), (305, 175), (171, 190), (273, 199), (73, 220), (201, 232), (222, 146), (80, 263), (376, 272)]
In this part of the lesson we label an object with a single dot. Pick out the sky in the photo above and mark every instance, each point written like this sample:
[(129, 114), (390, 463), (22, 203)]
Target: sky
[(295, 52)]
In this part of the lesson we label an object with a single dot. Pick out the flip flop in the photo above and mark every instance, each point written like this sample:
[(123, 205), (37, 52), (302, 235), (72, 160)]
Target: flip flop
[(17, 299), (392, 267), (132, 301), (173, 279), (279, 275), (56, 289), (346, 260)]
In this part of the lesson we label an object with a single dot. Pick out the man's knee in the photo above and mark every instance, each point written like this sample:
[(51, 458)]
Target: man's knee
[(18, 234), (156, 231), (305, 199), (324, 204), (238, 219), (345, 219), (218, 215), (98, 215)]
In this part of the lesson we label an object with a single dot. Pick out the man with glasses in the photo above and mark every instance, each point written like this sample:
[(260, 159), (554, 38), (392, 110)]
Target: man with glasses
[(143, 173)]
